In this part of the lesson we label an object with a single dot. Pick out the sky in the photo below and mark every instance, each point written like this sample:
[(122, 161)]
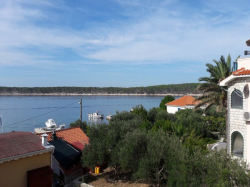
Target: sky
[(119, 43)]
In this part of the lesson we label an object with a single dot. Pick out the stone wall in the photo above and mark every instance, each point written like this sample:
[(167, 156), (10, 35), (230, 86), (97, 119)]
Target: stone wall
[(235, 116)]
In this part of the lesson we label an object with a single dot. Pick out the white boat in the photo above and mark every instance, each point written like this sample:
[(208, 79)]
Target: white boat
[(50, 126), (109, 117), (95, 115)]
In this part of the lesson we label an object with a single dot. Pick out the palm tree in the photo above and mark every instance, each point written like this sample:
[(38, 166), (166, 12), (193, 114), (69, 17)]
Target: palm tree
[(212, 93)]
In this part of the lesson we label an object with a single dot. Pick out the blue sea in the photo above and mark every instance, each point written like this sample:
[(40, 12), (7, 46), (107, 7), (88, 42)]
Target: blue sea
[(24, 113)]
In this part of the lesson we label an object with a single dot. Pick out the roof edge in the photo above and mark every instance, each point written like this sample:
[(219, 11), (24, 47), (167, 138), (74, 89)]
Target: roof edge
[(17, 157), (231, 78), (225, 81)]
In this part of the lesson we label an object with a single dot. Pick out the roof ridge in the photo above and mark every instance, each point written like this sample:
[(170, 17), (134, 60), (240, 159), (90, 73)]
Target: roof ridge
[(238, 71), (58, 130), (182, 101)]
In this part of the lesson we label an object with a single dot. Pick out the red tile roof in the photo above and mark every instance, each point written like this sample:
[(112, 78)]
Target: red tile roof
[(17, 143), (241, 71), (74, 136), (183, 101)]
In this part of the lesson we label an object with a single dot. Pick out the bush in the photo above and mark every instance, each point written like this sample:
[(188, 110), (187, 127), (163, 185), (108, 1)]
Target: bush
[(172, 153), (165, 100), (79, 123)]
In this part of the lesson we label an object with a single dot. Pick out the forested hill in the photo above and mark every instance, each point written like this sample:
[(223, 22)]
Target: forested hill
[(186, 88)]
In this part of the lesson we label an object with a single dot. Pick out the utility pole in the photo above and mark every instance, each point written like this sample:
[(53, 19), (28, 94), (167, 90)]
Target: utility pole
[(81, 109)]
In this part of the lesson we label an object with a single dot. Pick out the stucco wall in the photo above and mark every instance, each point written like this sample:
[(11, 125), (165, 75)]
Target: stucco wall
[(173, 109), (14, 173), (55, 166), (243, 63), (235, 116)]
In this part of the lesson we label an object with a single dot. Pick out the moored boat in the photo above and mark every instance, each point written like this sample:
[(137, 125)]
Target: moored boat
[(95, 115), (109, 117), (50, 126)]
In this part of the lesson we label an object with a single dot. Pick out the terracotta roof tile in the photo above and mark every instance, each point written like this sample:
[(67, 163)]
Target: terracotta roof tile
[(183, 101), (74, 136), (17, 143), (241, 71)]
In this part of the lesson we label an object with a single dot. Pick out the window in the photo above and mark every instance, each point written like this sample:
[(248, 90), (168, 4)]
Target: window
[(237, 99), (235, 66), (237, 144)]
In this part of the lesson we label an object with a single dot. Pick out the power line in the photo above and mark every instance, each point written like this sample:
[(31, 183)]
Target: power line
[(41, 114)]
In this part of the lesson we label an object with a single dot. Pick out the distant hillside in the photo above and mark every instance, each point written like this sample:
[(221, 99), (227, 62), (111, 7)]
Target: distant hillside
[(186, 88)]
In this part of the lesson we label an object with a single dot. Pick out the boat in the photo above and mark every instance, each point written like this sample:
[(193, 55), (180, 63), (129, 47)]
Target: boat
[(50, 126), (95, 115), (109, 117)]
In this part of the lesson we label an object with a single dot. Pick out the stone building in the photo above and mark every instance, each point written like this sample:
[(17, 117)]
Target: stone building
[(238, 118)]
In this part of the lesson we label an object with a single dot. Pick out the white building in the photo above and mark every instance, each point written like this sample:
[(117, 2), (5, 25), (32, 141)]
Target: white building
[(184, 102), (239, 109)]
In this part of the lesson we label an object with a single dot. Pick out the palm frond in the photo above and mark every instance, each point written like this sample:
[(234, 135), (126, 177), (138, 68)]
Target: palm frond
[(212, 93)]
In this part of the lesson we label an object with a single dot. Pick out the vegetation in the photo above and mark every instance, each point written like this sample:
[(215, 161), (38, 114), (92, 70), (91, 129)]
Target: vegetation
[(166, 99), (165, 149), (79, 123), (212, 93), (185, 88)]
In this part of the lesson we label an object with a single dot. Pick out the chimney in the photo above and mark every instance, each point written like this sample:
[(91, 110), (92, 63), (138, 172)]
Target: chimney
[(44, 139)]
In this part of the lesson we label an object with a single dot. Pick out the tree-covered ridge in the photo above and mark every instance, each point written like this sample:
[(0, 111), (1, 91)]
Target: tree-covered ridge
[(185, 88)]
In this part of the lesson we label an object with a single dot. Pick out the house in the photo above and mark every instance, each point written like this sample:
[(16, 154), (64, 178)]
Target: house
[(238, 118), (66, 159), (25, 160), (184, 102)]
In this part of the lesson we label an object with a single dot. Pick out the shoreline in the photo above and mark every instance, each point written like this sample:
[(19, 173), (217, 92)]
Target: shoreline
[(89, 94)]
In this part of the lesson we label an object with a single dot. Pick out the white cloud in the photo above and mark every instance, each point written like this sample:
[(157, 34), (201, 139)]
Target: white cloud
[(160, 32)]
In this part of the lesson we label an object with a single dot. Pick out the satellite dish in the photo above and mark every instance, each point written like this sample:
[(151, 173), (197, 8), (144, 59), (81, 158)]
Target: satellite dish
[(246, 91)]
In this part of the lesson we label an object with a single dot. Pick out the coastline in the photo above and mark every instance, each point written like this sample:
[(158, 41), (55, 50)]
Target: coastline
[(90, 94)]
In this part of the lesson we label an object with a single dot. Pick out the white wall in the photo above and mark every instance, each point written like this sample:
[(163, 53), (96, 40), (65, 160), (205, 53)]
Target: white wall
[(243, 63), (173, 109), (55, 165)]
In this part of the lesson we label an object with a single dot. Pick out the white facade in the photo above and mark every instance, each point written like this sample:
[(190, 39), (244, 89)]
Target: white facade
[(55, 165), (238, 127), (243, 63), (173, 109)]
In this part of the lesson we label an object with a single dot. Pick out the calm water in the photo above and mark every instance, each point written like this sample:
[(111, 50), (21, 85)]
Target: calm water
[(24, 113)]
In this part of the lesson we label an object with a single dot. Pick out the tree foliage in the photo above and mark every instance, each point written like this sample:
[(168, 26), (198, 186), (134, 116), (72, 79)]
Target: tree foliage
[(165, 100), (168, 150), (78, 123), (159, 89), (140, 110), (212, 93)]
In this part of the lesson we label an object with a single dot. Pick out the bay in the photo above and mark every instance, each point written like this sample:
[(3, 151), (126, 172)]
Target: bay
[(24, 113)]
